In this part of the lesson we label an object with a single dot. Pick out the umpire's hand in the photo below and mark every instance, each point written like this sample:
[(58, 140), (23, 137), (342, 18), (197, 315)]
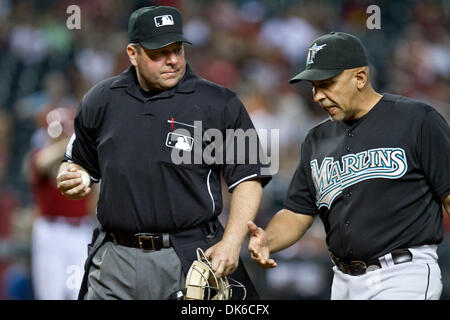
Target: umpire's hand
[(70, 182), (258, 246), (224, 257)]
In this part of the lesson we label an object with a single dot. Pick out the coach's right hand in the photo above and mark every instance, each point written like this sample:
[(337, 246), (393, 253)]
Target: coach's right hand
[(69, 181), (259, 246)]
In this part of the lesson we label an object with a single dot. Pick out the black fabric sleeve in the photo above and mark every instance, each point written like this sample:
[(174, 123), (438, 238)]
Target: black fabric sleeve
[(435, 152), (300, 198), (82, 148), (244, 156)]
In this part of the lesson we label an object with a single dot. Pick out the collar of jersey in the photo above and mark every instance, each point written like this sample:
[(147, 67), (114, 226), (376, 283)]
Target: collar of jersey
[(128, 79)]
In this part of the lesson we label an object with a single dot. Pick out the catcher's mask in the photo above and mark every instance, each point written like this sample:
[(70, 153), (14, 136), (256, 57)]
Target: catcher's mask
[(203, 284)]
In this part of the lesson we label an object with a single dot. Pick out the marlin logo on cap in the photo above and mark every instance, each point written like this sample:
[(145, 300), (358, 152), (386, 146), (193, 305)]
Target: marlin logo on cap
[(312, 52), (165, 20)]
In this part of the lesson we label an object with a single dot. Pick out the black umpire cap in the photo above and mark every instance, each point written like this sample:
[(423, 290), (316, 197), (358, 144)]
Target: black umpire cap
[(331, 54), (156, 27)]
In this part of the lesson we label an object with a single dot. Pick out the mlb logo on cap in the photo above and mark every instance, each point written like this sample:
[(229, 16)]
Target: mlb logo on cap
[(155, 27), (165, 20)]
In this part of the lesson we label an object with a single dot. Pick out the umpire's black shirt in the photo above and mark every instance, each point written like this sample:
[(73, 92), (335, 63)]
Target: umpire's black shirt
[(376, 182), (125, 138)]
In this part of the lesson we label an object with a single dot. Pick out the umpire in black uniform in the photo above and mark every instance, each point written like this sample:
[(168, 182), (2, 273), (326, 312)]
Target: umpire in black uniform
[(154, 213)]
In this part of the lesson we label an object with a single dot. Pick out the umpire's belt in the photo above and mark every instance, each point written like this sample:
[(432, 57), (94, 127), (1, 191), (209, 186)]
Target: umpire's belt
[(143, 241), (357, 267)]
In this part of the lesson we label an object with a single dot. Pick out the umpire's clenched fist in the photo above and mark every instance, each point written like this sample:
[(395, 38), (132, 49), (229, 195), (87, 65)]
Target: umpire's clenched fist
[(73, 181)]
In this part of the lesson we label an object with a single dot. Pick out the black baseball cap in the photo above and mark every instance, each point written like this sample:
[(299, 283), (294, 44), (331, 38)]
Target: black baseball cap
[(331, 54), (156, 27)]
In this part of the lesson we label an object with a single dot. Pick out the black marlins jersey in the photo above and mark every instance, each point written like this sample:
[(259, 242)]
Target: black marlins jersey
[(376, 182)]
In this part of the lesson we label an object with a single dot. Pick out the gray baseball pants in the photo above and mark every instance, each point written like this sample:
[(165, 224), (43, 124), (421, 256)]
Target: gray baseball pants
[(123, 273)]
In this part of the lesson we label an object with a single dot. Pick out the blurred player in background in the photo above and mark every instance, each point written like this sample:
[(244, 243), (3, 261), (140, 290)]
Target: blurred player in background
[(62, 227)]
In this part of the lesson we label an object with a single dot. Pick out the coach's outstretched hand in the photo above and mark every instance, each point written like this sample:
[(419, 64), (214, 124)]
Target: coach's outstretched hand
[(70, 181), (259, 246)]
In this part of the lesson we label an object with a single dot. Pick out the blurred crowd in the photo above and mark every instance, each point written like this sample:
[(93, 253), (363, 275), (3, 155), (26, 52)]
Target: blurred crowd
[(252, 47)]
